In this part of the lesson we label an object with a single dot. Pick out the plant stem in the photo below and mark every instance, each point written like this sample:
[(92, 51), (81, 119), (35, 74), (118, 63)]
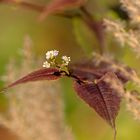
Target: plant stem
[(95, 26)]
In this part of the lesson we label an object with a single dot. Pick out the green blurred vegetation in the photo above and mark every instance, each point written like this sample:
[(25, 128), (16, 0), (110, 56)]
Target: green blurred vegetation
[(58, 33)]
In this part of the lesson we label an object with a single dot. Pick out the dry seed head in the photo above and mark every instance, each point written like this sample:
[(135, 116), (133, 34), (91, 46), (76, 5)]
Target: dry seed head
[(36, 109)]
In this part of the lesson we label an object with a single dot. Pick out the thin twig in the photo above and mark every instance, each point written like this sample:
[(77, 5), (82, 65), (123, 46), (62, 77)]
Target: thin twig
[(96, 27)]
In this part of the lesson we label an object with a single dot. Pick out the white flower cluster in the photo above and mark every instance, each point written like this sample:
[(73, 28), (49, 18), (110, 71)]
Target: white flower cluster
[(46, 64), (65, 60), (51, 54), (51, 57)]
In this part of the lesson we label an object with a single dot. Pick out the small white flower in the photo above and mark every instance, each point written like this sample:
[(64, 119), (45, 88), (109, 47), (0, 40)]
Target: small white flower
[(55, 53), (51, 54), (46, 64), (66, 60)]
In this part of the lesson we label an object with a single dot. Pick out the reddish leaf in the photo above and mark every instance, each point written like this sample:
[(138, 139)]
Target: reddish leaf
[(41, 74), (89, 70), (103, 96), (60, 5), (85, 73)]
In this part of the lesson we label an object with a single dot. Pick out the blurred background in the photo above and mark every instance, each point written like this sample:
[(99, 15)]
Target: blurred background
[(59, 33)]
